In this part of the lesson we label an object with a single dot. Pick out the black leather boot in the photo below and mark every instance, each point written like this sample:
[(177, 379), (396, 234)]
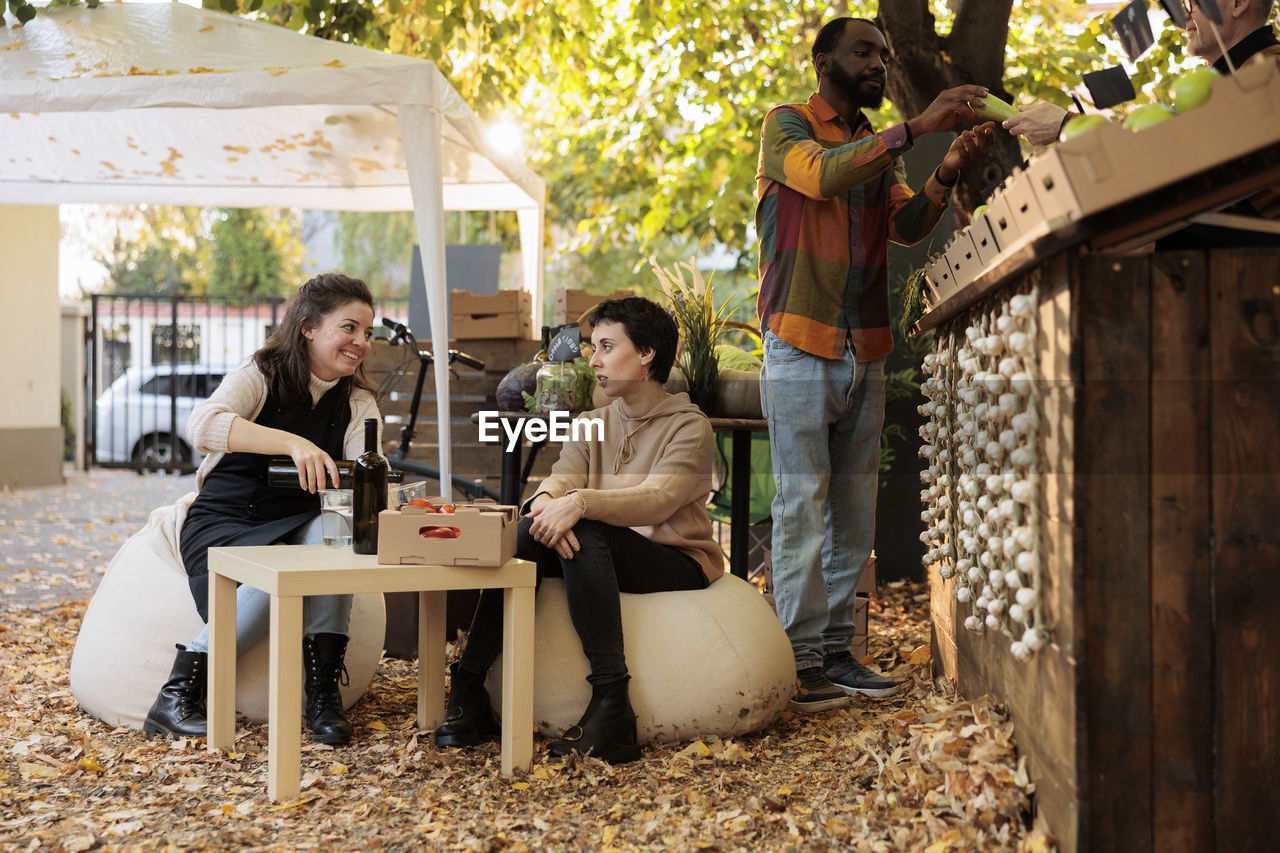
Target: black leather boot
[(179, 709), (322, 655), (607, 729), (469, 718)]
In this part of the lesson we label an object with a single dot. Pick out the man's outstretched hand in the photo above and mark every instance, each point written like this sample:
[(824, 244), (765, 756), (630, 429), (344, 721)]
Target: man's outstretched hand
[(950, 108), (966, 149)]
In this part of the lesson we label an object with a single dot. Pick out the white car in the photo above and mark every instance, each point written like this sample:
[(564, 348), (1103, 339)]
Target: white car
[(142, 418)]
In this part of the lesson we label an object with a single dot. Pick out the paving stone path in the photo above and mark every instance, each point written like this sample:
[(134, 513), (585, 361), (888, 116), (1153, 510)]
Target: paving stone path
[(56, 541)]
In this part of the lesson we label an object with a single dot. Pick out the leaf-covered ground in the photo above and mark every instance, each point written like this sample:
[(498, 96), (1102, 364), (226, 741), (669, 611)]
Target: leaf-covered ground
[(925, 770)]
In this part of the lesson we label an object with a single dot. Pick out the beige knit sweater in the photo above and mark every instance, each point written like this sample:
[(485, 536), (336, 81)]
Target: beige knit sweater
[(652, 473), (242, 394)]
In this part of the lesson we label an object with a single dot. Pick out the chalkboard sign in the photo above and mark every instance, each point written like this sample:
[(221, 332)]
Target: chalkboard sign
[(566, 344)]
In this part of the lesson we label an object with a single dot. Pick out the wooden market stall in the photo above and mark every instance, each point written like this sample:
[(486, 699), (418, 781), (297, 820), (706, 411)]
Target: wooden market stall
[(1112, 575)]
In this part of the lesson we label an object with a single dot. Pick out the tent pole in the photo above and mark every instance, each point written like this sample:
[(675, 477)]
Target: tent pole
[(531, 225), (420, 128)]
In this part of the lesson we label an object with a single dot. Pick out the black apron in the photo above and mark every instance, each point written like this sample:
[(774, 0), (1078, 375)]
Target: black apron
[(237, 507)]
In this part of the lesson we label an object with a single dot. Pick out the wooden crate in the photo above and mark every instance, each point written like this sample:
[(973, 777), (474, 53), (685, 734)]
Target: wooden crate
[(570, 304), (505, 314), (1149, 720)]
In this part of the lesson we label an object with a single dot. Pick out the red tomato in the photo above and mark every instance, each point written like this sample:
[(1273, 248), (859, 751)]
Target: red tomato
[(436, 532), (422, 502), (447, 508)]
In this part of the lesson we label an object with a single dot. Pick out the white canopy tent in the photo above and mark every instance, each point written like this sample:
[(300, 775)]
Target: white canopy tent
[(169, 104)]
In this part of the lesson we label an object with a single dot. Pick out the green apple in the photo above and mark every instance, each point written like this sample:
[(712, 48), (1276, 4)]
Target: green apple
[(1193, 88), (1148, 115), (1079, 124), (979, 210)]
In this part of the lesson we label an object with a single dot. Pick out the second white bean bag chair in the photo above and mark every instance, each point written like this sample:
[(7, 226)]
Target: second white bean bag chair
[(143, 606), (704, 662)]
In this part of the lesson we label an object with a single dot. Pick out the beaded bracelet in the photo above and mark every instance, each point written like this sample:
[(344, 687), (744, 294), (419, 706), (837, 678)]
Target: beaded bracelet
[(573, 496)]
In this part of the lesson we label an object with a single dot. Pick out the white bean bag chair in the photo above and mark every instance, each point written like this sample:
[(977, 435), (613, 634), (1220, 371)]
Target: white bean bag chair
[(143, 606), (705, 662)]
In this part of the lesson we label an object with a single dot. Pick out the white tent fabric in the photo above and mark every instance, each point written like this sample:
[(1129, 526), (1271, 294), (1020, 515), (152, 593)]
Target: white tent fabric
[(169, 104)]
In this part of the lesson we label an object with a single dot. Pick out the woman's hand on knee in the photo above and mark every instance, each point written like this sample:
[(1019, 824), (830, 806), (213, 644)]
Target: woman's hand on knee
[(553, 524), (566, 546)]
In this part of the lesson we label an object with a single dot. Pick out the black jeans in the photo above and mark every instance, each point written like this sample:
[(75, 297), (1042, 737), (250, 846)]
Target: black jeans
[(612, 560)]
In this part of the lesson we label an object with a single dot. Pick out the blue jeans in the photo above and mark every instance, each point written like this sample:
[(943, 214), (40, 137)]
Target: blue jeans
[(321, 614), (824, 419)]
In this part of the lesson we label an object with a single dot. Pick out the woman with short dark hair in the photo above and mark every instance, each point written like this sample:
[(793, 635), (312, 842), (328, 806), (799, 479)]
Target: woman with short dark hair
[(622, 514), (302, 395)]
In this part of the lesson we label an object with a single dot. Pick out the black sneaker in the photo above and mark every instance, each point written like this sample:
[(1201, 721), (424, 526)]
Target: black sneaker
[(815, 693), (852, 677)]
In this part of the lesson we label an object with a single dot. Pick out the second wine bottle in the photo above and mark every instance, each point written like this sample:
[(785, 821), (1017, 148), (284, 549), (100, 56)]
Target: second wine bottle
[(368, 491)]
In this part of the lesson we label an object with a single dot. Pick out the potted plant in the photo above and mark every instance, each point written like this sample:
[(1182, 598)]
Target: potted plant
[(700, 322)]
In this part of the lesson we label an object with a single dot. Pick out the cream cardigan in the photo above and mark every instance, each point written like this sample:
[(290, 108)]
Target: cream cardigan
[(242, 394)]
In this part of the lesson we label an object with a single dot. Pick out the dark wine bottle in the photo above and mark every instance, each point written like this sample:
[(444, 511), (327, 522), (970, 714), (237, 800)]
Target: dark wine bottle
[(283, 474), (369, 475), (546, 344)]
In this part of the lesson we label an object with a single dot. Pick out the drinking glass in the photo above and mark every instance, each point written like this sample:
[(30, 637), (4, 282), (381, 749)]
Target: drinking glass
[(335, 517)]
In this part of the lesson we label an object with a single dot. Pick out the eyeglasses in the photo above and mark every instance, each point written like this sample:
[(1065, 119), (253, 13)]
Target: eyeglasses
[(1190, 5)]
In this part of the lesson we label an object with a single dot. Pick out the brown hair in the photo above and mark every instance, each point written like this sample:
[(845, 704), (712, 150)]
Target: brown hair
[(285, 360)]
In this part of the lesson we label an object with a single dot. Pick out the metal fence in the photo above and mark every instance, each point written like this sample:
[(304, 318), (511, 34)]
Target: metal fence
[(149, 359)]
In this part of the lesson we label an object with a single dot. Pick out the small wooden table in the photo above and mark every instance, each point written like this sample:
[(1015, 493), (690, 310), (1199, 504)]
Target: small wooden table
[(288, 572)]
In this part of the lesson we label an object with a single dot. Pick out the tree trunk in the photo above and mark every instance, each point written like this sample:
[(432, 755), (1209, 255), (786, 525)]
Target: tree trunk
[(927, 63)]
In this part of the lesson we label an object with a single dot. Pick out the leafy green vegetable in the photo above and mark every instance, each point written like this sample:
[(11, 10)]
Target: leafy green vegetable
[(995, 109), (912, 303)]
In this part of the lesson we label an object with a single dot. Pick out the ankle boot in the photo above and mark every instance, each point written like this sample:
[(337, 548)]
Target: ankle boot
[(469, 718), (607, 729), (322, 655), (179, 709)]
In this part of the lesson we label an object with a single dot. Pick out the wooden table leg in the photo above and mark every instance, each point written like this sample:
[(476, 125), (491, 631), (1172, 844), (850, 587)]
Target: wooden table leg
[(431, 643), (284, 714), (517, 679), (221, 697)]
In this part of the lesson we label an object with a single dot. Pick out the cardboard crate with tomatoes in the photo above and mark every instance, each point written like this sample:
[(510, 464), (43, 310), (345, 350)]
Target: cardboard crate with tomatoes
[(434, 532)]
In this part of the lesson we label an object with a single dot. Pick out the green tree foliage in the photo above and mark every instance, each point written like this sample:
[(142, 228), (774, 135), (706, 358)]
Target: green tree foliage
[(155, 249), (197, 251), (255, 252), (644, 117)]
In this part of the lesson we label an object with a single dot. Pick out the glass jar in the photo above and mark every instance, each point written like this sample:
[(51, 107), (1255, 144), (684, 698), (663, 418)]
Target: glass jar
[(556, 388)]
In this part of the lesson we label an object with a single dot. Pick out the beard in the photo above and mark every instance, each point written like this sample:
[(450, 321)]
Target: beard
[(850, 87)]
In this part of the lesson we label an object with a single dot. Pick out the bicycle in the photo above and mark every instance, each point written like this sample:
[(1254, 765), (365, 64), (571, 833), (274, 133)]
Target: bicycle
[(403, 335)]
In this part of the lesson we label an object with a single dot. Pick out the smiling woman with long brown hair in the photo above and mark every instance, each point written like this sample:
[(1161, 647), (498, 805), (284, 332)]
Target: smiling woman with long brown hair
[(302, 395)]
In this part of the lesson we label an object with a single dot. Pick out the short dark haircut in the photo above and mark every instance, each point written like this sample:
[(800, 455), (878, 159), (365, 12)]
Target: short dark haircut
[(284, 359), (825, 40), (649, 327)]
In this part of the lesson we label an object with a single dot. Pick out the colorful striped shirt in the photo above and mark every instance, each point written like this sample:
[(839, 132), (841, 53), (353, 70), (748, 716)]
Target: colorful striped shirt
[(830, 199)]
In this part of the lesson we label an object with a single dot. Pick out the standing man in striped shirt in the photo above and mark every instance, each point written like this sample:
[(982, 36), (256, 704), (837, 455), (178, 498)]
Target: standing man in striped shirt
[(832, 193)]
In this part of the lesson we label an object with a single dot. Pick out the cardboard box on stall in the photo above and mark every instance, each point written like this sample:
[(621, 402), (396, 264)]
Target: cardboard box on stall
[(486, 535), (505, 314), (1110, 165)]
